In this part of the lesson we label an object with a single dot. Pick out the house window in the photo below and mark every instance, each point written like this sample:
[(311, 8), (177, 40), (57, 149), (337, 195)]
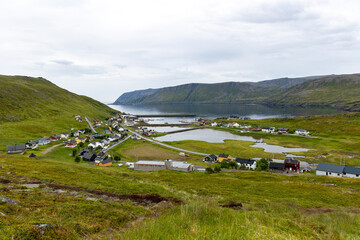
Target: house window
[(329, 173), (357, 175), (338, 174)]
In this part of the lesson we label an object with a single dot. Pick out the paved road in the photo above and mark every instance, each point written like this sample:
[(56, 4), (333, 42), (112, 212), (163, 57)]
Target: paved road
[(165, 145), (117, 143), (51, 148), (90, 125)]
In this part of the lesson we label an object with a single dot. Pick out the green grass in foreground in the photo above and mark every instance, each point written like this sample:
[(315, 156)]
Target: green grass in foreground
[(275, 206)]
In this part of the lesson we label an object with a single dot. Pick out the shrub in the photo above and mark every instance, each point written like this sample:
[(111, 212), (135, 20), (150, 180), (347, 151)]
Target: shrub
[(209, 170), (217, 169), (262, 165), (77, 159), (224, 164), (74, 151), (233, 165)]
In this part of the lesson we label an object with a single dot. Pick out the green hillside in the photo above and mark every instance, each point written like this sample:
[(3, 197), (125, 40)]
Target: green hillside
[(228, 92), (34, 107), (342, 91), (28, 98)]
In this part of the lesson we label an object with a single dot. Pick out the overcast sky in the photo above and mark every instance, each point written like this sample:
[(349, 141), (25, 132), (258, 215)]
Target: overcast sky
[(105, 48)]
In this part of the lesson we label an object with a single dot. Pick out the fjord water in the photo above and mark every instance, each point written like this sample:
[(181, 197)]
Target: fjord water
[(254, 111)]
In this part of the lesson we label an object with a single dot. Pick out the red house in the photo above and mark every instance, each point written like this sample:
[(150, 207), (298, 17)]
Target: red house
[(292, 164), (283, 130)]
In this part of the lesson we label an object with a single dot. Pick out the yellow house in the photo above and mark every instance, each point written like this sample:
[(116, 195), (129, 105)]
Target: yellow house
[(105, 163), (224, 157)]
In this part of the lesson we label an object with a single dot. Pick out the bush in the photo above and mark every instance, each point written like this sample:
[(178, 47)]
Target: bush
[(117, 158), (224, 164), (262, 165), (233, 165), (81, 144), (217, 169), (74, 151), (209, 170), (77, 159)]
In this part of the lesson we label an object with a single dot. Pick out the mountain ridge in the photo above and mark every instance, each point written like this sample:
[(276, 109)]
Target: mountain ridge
[(227, 92)]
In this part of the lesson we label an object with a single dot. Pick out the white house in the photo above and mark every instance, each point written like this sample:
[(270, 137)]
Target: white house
[(268, 130), (94, 145), (352, 172), (235, 124), (246, 163), (214, 124), (326, 169), (301, 132)]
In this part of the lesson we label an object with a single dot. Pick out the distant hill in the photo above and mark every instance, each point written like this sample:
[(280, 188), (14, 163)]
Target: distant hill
[(341, 91), (31, 98), (228, 92)]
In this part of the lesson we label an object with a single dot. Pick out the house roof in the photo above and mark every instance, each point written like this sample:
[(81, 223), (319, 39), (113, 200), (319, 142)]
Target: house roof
[(301, 130), (15, 148), (291, 161), (283, 129), (88, 155), (278, 166), (212, 156), (145, 162), (179, 164), (245, 161), (330, 168), (106, 161), (223, 155), (352, 170)]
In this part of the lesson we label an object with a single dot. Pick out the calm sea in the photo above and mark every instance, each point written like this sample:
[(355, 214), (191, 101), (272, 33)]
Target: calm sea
[(254, 111)]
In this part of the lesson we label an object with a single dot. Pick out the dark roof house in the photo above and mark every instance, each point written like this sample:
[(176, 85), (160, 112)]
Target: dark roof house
[(276, 166), (15, 149), (326, 167)]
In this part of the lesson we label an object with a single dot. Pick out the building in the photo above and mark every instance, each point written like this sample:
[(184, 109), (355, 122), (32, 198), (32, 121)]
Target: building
[(15, 149), (291, 164), (211, 158), (43, 141), (224, 157), (246, 163), (268, 130), (71, 144), (326, 169), (276, 167), (353, 172), (145, 165), (301, 132), (31, 144), (106, 163), (283, 130)]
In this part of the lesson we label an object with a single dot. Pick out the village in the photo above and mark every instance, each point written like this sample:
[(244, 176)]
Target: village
[(91, 146)]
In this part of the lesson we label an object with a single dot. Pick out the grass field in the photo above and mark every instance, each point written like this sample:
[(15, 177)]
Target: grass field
[(274, 206)]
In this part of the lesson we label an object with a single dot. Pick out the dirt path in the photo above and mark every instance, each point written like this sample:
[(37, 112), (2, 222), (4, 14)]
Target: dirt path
[(50, 148)]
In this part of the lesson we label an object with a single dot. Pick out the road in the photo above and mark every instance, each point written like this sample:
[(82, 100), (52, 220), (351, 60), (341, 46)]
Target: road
[(117, 143), (51, 148), (165, 145), (90, 125)]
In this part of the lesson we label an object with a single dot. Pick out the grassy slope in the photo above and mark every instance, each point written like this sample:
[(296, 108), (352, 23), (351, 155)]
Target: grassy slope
[(34, 107), (342, 90), (275, 206)]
